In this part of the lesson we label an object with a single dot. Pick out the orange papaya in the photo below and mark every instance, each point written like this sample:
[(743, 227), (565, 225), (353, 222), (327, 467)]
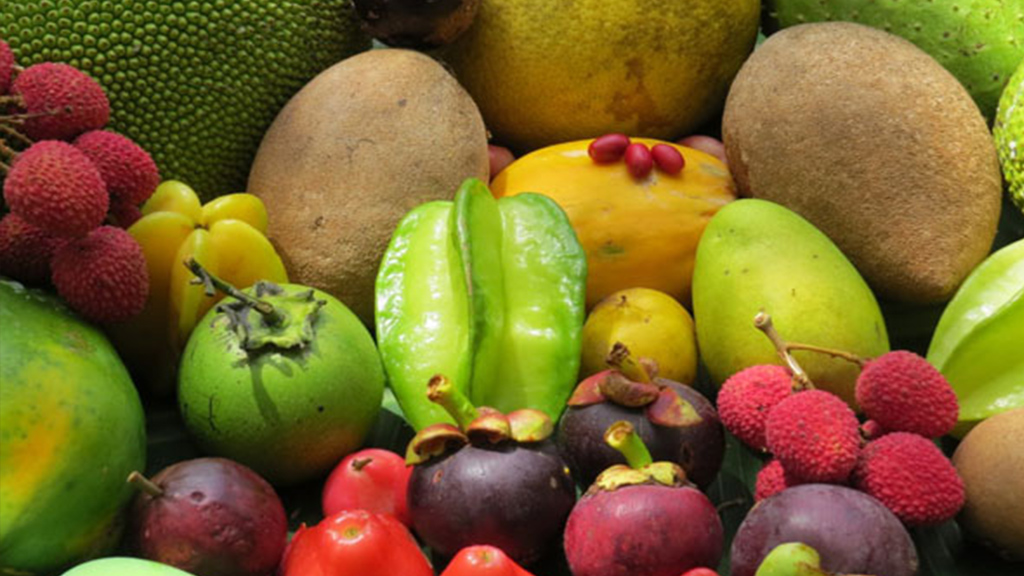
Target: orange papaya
[(71, 430)]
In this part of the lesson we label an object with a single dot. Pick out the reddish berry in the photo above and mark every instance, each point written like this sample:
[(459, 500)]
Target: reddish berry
[(608, 148), (129, 171), (123, 214), (748, 396), (6, 67), (25, 251), (103, 275), (639, 161), (700, 572), (815, 436), (706, 144), (54, 186), (61, 101), (668, 159), (771, 480), (370, 479), (902, 392), (498, 157), (912, 477)]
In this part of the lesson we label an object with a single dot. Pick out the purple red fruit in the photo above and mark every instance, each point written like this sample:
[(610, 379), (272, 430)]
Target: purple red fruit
[(639, 161), (59, 101), (668, 159), (609, 148)]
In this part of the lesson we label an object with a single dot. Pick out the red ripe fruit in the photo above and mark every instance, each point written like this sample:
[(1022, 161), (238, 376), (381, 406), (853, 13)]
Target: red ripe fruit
[(815, 436), (129, 171), (6, 67), (60, 101), (668, 159), (25, 251), (747, 397), (700, 572), (103, 275), (608, 148), (371, 479), (903, 392), (912, 477), (54, 186), (771, 480), (123, 214), (639, 161)]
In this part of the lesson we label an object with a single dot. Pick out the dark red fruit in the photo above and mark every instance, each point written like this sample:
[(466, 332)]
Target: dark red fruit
[(608, 149), (639, 161), (6, 67), (214, 517), (60, 101), (416, 23), (26, 251), (698, 448), (498, 157), (668, 159), (371, 479), (853, 532)]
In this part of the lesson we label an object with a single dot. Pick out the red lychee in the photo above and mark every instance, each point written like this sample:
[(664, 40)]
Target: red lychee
[(103, 275), (771, 480), (129, 171), (25, 251), (912, 477), (6, 67), (60, 101), (123, 214), (815, 436), (904, 393), (747, 397), (54, 186)]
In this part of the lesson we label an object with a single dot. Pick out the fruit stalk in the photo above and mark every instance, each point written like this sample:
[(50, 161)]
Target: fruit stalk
[(440, 390), (763, 322), (623, 437), (144, 484), (212, 283)]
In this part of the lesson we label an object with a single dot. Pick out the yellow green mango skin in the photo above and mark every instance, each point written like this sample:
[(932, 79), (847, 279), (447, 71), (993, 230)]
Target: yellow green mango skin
[(71, 430), (757, 255)]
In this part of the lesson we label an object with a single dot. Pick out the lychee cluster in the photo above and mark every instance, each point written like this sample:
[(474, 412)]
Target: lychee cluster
[(814, 436), (65, 177)]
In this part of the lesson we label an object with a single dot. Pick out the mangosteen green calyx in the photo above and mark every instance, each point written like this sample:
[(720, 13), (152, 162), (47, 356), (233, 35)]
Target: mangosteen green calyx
[(643, 517), (282, 378), (675, 421), (494, 479)]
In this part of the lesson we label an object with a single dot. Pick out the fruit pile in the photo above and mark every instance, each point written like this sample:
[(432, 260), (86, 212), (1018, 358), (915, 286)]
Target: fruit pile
[(626, 288), (71, 188)]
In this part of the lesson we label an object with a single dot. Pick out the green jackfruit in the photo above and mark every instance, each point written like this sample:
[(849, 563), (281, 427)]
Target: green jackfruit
[(978, 41), (196, 83)]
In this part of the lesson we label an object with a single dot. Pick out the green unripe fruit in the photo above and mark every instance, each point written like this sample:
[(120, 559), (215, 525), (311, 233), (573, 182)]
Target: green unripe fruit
[(288, 392), (1009, 134)]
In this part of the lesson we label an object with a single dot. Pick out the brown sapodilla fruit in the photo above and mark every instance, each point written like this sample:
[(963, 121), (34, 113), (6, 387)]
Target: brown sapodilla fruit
[(359, 146), (876, 144)]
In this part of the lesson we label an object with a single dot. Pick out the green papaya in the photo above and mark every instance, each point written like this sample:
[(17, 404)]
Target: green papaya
[(977, 342), (489, 293), (71, 430)]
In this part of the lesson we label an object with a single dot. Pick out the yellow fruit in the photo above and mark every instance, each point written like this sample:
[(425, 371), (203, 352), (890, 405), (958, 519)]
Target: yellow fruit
[(543, 72), (635, 233), (651, 324)]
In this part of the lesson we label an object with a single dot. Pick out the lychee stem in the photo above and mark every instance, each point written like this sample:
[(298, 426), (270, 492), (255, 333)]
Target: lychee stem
[(763, 322), (623, 437), (849, 357), (144, 484), (10, 131), (211, 283), (620, 359), (6, 150), (440, 390)]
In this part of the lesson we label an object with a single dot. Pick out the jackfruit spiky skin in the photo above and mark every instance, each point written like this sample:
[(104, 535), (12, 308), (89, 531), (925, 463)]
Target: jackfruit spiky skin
[(1009, 135), (195, 83), (978, 41)]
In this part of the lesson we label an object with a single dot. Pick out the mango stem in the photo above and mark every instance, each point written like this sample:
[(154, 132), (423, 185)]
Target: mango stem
[(212, 283), (763, 322), (623, 437), (440, 390), (144, 484)]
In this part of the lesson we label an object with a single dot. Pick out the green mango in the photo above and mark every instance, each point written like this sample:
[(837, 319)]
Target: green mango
[(978, 342), (71, 430), (124, 566), (489, 293), (758, 256)]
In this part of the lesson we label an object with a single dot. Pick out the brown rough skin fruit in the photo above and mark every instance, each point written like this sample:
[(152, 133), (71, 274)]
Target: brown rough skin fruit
[(363, 143), (990, 461), (876, 144)]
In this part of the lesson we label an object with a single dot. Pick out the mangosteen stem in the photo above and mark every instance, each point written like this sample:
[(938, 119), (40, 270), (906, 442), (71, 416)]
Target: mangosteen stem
[(849, 357), (440, 390), (623, 437), (144, 484), (211, 283), (620, 359), (763, 322)]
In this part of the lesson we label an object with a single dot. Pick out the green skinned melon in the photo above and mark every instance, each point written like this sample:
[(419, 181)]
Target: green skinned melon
[(195, 83), (71, 430), (978, 41)]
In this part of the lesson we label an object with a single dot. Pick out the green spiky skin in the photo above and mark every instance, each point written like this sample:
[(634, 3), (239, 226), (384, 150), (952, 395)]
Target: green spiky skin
[(195, 83), (1009, 134), (978, 41)]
